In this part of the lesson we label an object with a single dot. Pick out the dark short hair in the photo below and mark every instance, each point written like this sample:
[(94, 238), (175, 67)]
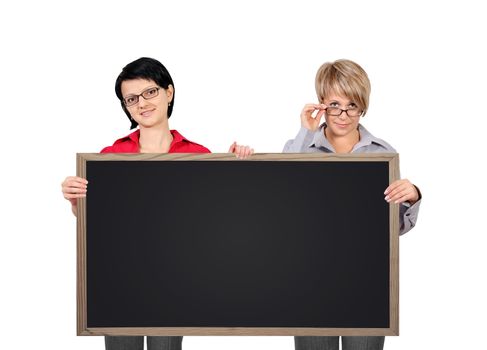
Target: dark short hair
[(144, 68)]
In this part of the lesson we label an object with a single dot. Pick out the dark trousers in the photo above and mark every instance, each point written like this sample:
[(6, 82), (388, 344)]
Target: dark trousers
[(137, 343), (331, 343)]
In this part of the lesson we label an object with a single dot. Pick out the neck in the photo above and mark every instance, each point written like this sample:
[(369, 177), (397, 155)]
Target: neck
[(345, 143), (155, 139)]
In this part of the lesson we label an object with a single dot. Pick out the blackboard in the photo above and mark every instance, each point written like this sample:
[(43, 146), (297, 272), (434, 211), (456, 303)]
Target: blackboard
[(281, 244)]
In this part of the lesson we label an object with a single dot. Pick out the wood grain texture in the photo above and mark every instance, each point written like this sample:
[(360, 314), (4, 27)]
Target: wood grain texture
[(82, 329), (394, 251), (305, 157), (81, 252), (188, 331)]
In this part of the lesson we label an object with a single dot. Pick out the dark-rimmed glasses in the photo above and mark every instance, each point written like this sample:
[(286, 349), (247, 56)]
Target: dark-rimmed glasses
[(147, 94), (336, 112)]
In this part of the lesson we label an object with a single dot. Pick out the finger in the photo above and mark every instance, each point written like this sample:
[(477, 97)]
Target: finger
[(241, 154), (71, 196), (403, 191), (75, 195), (392, 195), (394, 190), (398, 195), (247, 152), (232, 147), (311, 106), (393, 186), (401, 199), (389, 188), (74, 184), (80, 179), (76, 179), (73, 190), (79, 184), (309, 109), (320, 114)]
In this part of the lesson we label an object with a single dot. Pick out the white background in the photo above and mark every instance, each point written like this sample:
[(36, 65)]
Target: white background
[(243, 70)]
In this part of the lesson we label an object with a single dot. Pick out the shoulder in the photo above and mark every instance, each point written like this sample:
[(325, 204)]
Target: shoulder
[(385, 145), (182, 144), (302, 142), (126, 144), (374, 143)]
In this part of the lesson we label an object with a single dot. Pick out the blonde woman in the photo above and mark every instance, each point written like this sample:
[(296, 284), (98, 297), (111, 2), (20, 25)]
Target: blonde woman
[(343, 90)]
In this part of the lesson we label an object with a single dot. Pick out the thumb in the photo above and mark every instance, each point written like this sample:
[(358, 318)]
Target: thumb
[(232, 147)]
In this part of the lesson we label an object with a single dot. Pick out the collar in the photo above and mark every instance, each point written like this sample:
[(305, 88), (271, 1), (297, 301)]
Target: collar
[(134, 137), (366, 138)]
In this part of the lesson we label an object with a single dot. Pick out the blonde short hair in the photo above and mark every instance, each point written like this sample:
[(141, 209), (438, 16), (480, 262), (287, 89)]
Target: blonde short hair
[(343, 77)]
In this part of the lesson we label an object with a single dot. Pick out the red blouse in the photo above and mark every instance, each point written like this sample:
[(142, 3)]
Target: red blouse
[(179, 144)]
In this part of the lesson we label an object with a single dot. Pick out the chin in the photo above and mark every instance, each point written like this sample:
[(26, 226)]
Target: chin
[(147, 123), (342, 132)]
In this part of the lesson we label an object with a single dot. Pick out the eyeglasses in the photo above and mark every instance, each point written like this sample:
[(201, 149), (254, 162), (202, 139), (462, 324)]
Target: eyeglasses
[(146, 94), (351, 112)]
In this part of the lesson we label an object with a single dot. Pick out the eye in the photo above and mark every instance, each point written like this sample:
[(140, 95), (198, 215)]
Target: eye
[(352, 106), (130, 100), (151, 92), (334, 104)]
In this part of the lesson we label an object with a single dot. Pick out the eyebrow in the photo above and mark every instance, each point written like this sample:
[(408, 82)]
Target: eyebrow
[(348, 103)]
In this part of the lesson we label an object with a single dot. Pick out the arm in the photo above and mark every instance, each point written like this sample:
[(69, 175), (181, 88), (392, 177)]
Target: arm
[(310, 122), (408, 215)]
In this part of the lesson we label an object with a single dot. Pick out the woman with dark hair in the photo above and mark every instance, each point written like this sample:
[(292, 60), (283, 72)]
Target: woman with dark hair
[(146, 92), (146, 69)]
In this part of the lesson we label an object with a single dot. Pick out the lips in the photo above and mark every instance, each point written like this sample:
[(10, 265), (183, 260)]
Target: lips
[(146, 114)]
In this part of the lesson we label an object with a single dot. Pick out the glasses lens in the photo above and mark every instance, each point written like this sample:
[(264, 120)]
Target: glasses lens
[(130, 100), (150, 93), (353, 112), (334, 111)]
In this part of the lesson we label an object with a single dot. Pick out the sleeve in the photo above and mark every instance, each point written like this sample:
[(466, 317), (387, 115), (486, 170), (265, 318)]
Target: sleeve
[(300, 142), (408, 215)]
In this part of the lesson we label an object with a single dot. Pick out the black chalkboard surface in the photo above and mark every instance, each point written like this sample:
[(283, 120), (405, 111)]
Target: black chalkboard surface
[(206, 244)]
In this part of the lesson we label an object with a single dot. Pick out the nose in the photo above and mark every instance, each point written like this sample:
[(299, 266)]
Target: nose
[(142, 102), (343, 114)]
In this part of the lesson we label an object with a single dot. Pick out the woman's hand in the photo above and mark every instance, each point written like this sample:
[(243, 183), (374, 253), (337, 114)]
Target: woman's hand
[(401, 191), (310, 121), (74, 187), (241, 152)]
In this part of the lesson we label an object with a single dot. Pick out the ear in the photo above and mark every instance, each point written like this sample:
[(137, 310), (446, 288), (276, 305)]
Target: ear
[(170, 93)]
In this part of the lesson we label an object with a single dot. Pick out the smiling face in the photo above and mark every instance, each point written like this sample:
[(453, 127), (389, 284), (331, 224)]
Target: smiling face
[(341, 125), (151, 108)]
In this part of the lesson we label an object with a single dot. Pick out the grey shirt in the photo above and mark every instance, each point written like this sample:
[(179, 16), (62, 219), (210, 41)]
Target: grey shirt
[(312, 142)]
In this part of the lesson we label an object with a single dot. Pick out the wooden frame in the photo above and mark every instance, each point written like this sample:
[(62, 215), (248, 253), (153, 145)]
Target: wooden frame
[(83, 329)]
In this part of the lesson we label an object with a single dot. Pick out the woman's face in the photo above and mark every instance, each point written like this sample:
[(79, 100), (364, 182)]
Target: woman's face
[(342, 124), (151, 108)]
